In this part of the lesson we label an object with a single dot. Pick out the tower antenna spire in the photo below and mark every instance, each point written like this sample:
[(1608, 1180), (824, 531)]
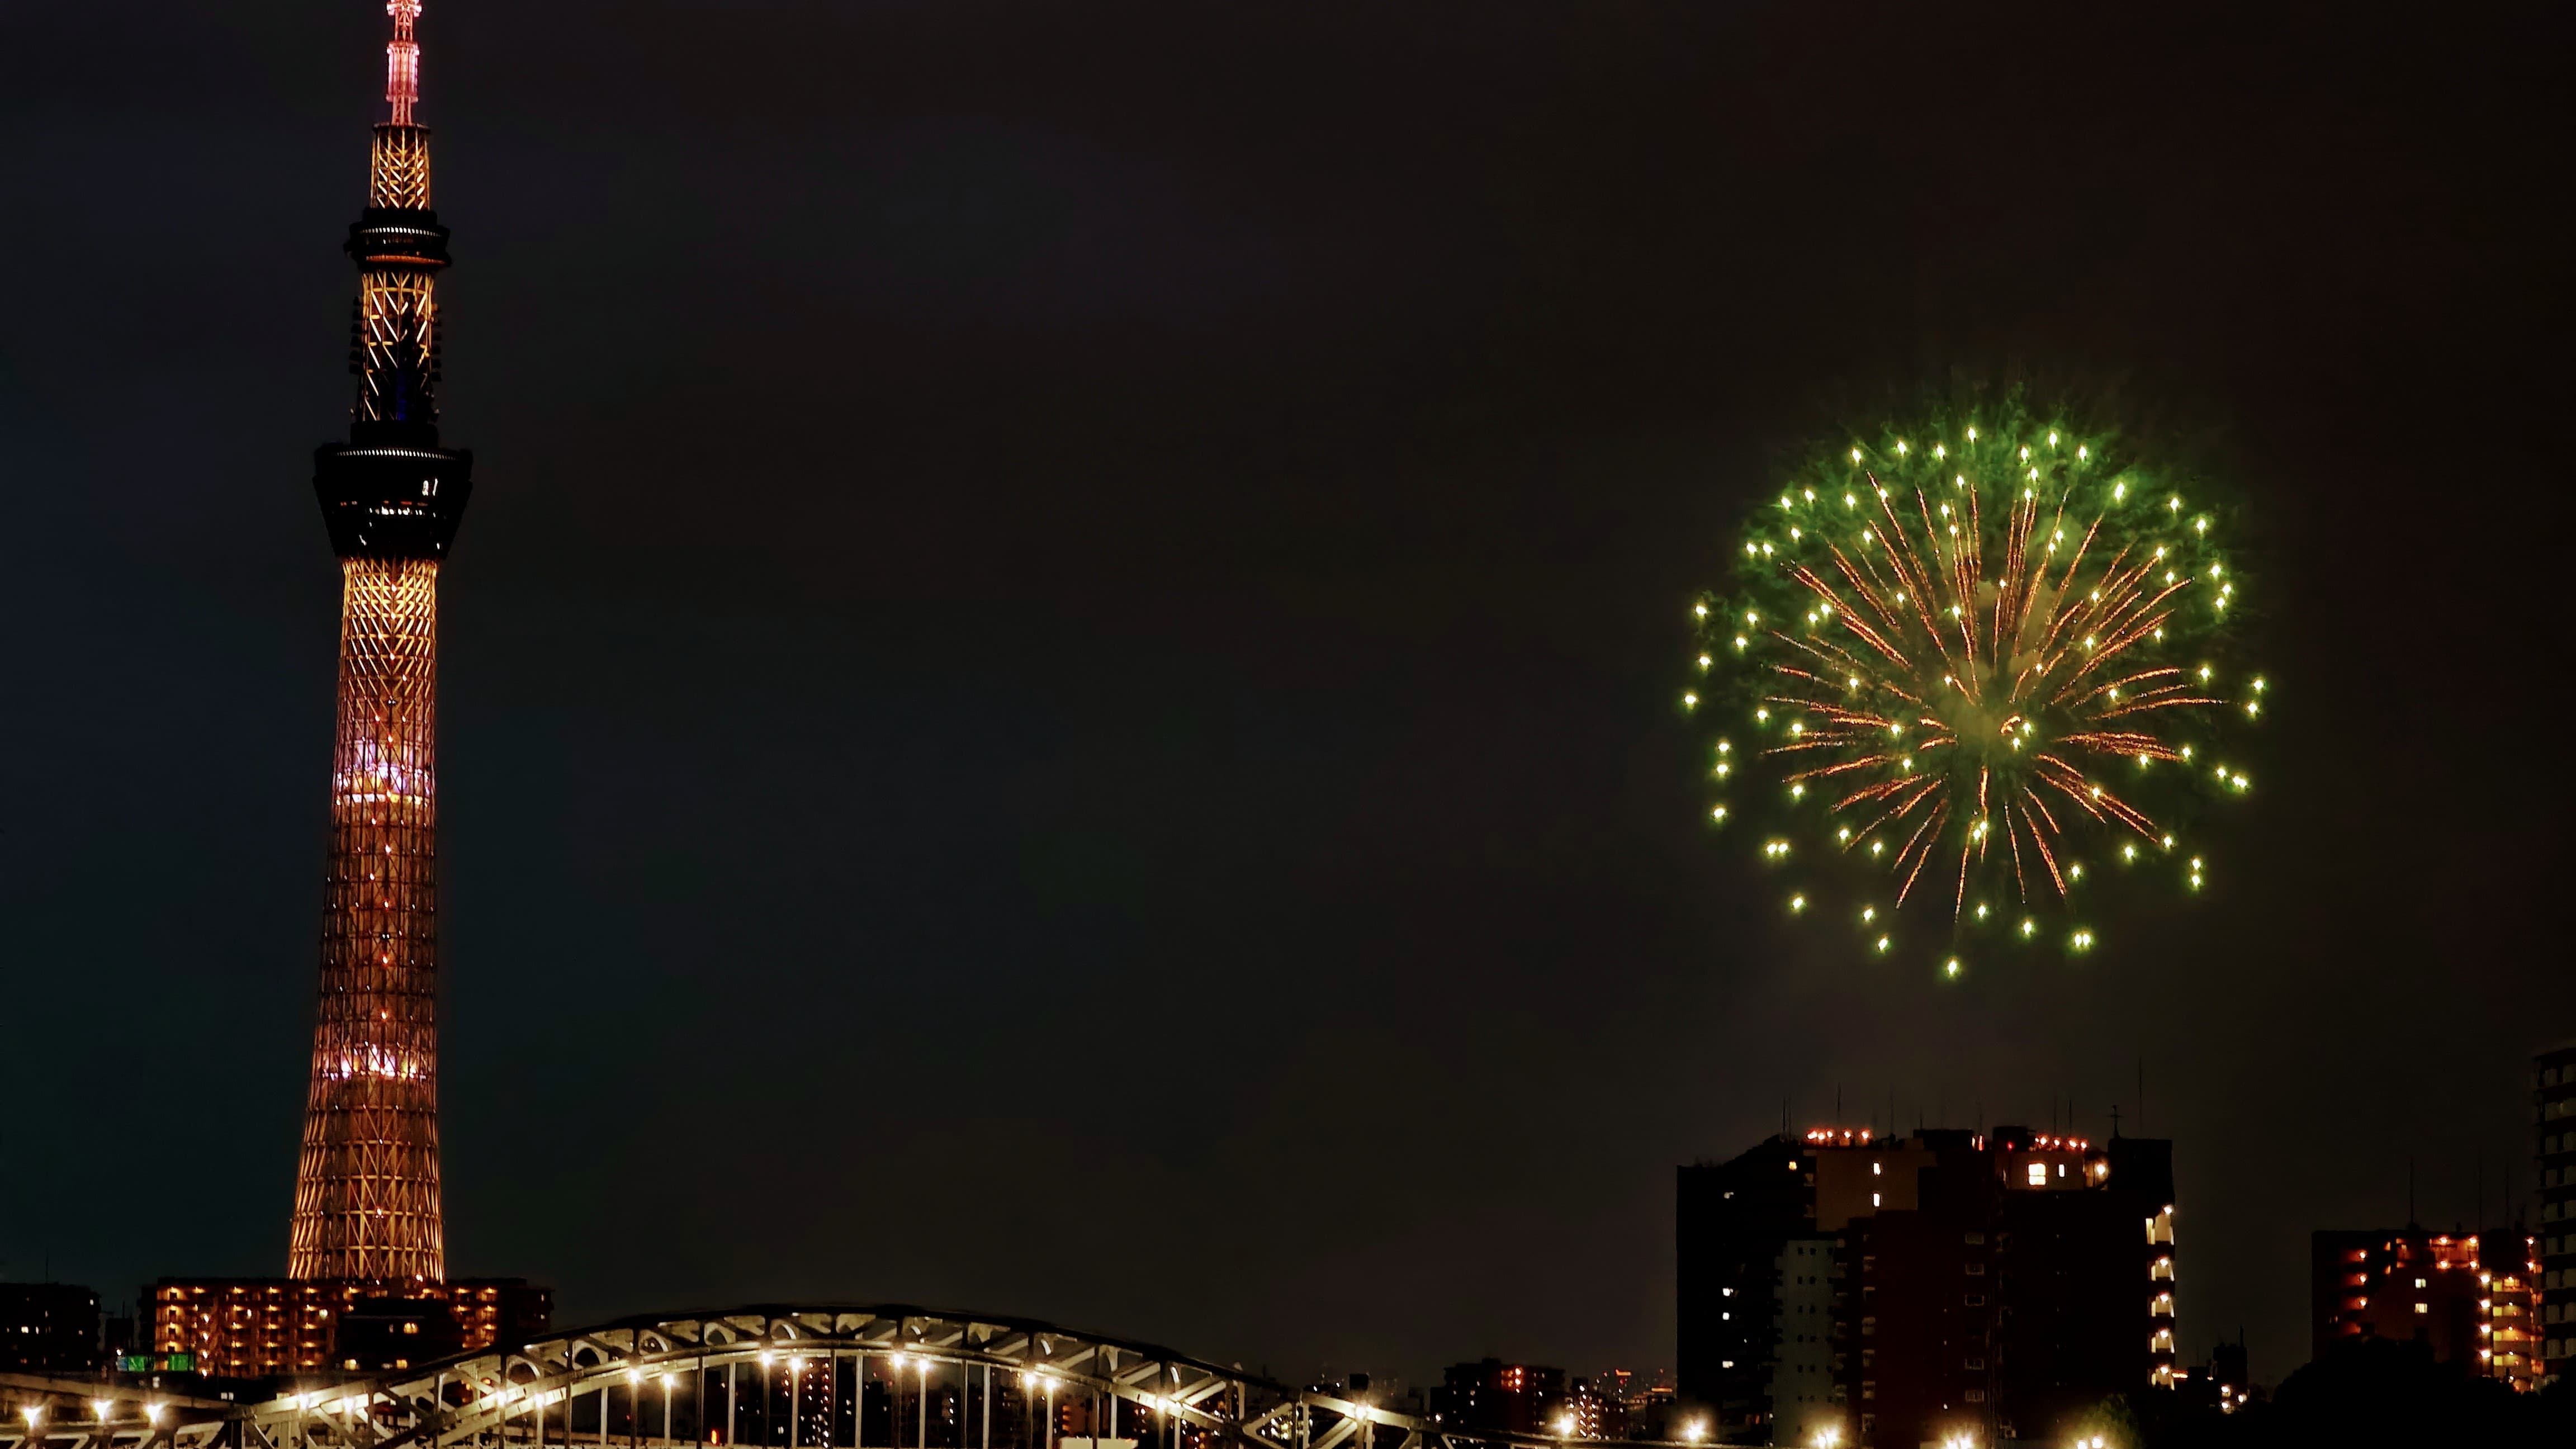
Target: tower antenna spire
[(402, 61)]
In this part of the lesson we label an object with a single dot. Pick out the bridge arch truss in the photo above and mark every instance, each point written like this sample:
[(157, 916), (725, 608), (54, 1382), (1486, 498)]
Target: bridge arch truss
[(773, 1376)]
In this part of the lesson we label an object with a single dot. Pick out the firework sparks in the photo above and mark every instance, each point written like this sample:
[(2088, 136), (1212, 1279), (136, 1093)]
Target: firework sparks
[(1972, 657)]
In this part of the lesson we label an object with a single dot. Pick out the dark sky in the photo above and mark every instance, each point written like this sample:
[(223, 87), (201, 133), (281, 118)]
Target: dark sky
[(1057, 693)]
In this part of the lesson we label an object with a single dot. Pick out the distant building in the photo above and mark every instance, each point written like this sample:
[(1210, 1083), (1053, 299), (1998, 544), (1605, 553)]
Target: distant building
[(2553, 1080), (1644, 1406), (248, 1328), (1494, 1397), (1589, 1413), (2468, 1298), (2223, 1383), (1905, 1290), (48, 1328)]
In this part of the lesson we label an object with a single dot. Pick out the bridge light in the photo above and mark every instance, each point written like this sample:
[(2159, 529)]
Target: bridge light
[(152, 1413), (1694, 1429), (100, 1407), (31, 1413), (634, 1376)]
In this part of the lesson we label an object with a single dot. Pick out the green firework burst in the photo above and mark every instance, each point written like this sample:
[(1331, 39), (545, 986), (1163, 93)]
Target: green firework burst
[(1967, 671)]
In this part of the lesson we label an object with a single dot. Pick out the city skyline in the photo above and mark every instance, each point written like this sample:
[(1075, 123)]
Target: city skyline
[(1113, 584)]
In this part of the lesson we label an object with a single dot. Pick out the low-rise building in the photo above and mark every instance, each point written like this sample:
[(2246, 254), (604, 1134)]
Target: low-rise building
[(248, 1328)]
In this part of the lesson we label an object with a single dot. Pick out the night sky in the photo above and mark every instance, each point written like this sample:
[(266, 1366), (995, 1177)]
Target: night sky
[(1058, 693)]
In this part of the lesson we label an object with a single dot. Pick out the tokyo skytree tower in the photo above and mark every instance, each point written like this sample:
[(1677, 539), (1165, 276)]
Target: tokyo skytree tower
[(366, 1187)]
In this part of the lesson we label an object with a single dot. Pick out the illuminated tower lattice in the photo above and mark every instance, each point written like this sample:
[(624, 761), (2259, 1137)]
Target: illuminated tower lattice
[(366, 1188)]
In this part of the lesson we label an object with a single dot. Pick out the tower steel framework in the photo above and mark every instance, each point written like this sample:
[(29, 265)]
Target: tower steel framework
[(366, 1188)]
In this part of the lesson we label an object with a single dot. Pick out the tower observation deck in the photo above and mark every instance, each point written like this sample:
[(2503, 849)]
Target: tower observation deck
[(367, 1187)]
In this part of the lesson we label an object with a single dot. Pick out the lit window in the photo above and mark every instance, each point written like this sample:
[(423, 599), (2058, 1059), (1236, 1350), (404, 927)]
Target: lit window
[(2423, 1308), (2039, 1174), (1873, 1199)]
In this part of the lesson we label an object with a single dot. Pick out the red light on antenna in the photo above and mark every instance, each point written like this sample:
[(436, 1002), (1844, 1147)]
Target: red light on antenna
[(402, 60)]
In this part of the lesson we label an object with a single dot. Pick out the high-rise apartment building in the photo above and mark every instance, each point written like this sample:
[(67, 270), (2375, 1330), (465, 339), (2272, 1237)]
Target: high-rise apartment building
[(1896, 1291), (2471, 1299), (2553, 1082)]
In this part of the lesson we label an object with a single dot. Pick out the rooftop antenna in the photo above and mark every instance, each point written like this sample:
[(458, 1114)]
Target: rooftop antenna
[(402, 61)]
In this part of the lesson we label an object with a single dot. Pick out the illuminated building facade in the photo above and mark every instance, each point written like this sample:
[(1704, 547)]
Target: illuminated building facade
[(1907, 1290), (366, 1188), (2553, 1080), (251, 1328), (2470, 1299)]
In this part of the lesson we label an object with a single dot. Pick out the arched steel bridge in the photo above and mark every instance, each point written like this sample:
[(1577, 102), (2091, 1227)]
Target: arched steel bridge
[(776, 1376)]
